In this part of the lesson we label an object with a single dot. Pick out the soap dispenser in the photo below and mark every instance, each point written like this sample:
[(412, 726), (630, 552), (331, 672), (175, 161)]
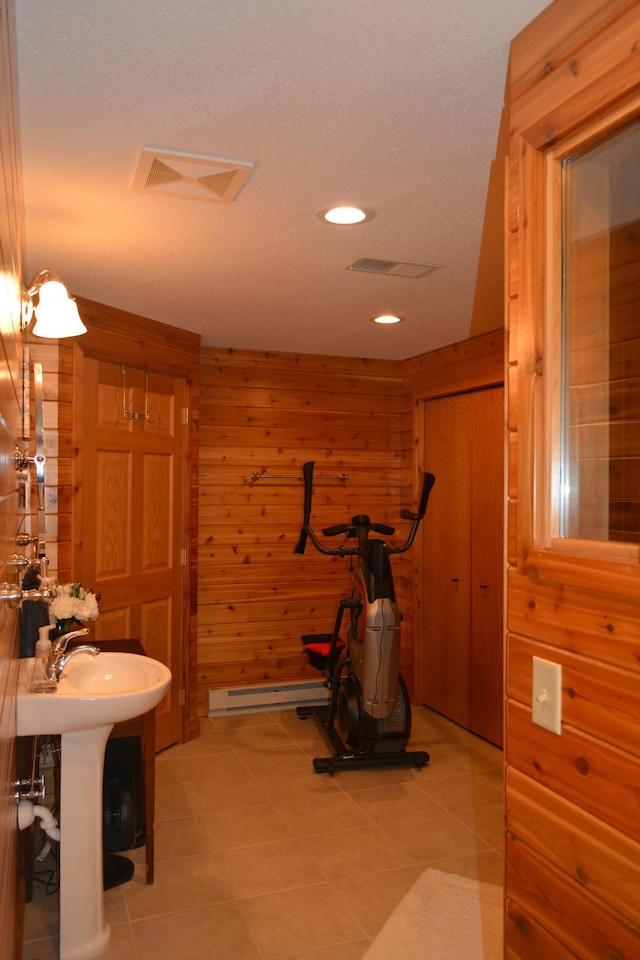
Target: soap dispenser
[(43, 680)]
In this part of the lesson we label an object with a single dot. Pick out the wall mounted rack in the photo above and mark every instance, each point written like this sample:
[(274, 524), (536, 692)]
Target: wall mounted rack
[(263, 475)]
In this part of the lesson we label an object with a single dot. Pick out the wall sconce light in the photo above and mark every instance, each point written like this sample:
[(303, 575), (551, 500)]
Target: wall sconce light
[(56, 312)]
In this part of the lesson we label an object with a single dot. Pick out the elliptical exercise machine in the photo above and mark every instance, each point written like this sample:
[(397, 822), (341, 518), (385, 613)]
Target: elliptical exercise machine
[(367, 721)]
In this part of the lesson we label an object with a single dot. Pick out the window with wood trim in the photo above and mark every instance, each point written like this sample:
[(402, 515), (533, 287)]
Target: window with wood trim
[(593, 317)]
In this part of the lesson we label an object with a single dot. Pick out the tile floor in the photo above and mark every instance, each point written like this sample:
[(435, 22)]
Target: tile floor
[(260, 858)]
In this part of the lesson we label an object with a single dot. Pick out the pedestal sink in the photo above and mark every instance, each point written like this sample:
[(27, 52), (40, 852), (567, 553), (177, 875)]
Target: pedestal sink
[(92, 695)]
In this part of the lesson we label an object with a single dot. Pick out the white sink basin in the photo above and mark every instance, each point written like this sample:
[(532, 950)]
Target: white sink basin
[(92, 692)]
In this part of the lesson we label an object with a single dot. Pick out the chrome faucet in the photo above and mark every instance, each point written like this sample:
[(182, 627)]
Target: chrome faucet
[(59, 655), (57, 666)]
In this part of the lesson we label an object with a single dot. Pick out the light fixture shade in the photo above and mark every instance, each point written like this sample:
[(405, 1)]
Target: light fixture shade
[(387, 318), (57, 314), (344, 215)]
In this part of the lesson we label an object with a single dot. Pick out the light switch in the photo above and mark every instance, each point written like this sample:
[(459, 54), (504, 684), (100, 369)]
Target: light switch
[(546, 696)]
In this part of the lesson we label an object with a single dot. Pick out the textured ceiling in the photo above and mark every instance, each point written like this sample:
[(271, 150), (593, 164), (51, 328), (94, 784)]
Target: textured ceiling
[(393, 106)]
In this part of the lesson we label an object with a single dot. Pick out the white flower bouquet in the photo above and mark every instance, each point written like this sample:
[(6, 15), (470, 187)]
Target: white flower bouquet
[(72, 602)]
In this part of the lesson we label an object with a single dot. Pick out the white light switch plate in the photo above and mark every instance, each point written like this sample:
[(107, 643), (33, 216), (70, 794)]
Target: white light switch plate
[(546, 695)]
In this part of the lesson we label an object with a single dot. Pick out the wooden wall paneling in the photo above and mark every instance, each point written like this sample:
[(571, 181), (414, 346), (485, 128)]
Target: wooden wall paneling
[(579, 921), (555, 35), (526, 939), (575, 619), (468, 365), (603, 860), (269, 413), (12, 517), (572, 804), (599, 695)]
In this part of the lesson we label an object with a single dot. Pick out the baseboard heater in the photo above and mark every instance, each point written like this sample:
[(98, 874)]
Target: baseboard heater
[(247, 699)]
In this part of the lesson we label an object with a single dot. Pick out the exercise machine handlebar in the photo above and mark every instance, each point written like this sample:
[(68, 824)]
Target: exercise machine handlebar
[(358, 523)]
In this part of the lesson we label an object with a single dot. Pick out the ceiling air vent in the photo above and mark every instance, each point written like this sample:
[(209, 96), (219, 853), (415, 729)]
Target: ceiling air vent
[(393, 268), (191, 176)]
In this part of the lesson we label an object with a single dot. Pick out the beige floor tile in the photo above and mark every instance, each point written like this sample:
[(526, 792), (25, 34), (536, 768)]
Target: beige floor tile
[(433, 836), (486, 820), (219, 766), (360, 850), (243, 874), (495, 776), (217, 795), (459, 792), (239, 721), (340, 951), (477, 755), (441, 764), (181, 837), (304, 732), (307, 918), (203, 746), (115, 909), (41, 950), (372, 897), (296, 785), (243, 827), (487, 866), (359, 779), (178, 885), (437, 732), (267, 868), (171, 803), (41, 916), (166, 772), (336, 811), (269, 738), (280, 757), (215, 932), (395, 801), (120, 947)]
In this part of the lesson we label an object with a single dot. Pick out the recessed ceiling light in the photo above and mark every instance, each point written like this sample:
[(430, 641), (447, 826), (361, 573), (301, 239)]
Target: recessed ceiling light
[(387, 318), (344, 215)]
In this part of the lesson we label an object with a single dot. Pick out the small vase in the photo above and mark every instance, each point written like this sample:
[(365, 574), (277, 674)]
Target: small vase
[(64, 626)]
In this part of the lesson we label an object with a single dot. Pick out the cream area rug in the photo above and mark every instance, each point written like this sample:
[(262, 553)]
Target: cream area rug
[(443, 917)]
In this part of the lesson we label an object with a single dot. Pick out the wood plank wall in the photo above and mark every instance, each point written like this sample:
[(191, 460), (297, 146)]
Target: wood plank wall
[(11, 433), (272, 412), (573, 800), (275, 411)]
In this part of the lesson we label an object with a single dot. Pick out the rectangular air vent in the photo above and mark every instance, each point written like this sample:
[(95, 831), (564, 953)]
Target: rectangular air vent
[(393, 268), (190, 176)]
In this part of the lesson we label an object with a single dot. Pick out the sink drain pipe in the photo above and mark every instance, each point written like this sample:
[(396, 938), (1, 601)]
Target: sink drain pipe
[(27, 813)]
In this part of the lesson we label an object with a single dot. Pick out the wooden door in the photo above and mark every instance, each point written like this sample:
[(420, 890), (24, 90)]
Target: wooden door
[(487, 565), (133, 526), (462, 659), (446, 562)]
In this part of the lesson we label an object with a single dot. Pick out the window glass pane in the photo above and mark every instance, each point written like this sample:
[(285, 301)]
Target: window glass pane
[(600, 375)]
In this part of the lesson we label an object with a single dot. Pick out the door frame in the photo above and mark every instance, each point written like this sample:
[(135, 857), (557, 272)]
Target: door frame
[(121, 337)]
